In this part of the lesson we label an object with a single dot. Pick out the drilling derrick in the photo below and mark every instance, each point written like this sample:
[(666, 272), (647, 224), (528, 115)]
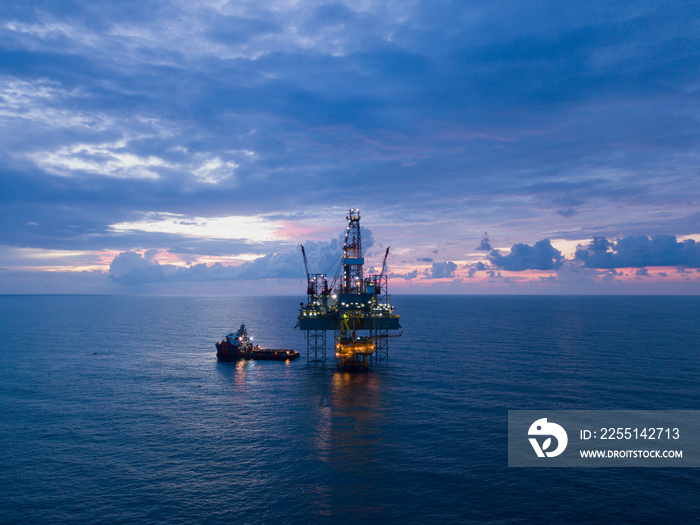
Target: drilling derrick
[(352, 255), (355, 308)]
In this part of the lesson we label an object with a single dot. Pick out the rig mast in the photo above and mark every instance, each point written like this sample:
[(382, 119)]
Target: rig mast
[(355, 308)]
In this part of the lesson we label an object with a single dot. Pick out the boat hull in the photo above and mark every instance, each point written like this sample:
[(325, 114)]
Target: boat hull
[(271, 354), (225, 351)]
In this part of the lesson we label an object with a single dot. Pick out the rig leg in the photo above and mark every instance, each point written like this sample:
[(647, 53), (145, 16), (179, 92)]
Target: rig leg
[(381, 354), (316, 346)]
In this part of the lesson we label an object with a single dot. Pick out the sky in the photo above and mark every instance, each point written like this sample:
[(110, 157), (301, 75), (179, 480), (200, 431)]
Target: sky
[(504, 147)]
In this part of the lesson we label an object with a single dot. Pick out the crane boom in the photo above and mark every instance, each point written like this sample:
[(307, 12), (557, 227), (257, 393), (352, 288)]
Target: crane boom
[(310, 288), (306, 263), (384, 263)]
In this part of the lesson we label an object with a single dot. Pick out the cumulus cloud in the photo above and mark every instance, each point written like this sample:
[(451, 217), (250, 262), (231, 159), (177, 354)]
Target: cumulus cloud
[(131, 268), (323, 257), (541, 256), (478, 267), (640, 251), (442, 270), (484, 245)]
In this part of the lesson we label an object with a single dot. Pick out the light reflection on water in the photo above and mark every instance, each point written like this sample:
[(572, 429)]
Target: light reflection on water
[(348, 437)]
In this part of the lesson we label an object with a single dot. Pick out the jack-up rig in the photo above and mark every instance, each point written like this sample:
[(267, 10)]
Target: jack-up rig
[(354, 307)]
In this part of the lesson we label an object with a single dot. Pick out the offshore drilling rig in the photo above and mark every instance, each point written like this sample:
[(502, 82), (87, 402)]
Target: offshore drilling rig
[(354, 307)]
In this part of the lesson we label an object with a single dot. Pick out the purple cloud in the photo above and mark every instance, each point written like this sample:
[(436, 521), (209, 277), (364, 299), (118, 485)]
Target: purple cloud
[(484, 245), (442, 270), (541, 256), (640, 251)]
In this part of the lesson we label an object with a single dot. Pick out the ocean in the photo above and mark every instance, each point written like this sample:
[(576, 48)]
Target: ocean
[(114, 409)]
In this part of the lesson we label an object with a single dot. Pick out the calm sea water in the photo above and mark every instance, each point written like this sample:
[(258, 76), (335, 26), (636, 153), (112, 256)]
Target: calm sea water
[(114, 409)]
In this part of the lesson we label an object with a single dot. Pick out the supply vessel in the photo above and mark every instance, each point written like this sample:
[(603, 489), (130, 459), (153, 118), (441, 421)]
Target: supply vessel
[(239, 346)]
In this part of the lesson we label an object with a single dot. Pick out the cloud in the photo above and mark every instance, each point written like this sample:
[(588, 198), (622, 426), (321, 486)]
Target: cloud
[(111, 160), (406, 276), (484, 245), (478, 267), (541, 256), (132, 269), (210, 109), (610, 275), (640, 251), (323, 257), (442, 270), (570, 212)]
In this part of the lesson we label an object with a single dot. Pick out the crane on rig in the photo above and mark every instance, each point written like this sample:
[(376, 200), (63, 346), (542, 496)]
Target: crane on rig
[(355, 308), (309, 290), (383, 272), (316, 283)]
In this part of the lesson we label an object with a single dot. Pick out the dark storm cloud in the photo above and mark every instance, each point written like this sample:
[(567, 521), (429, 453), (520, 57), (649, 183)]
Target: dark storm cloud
[(505, 110), (639, 251), (541, 256)]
